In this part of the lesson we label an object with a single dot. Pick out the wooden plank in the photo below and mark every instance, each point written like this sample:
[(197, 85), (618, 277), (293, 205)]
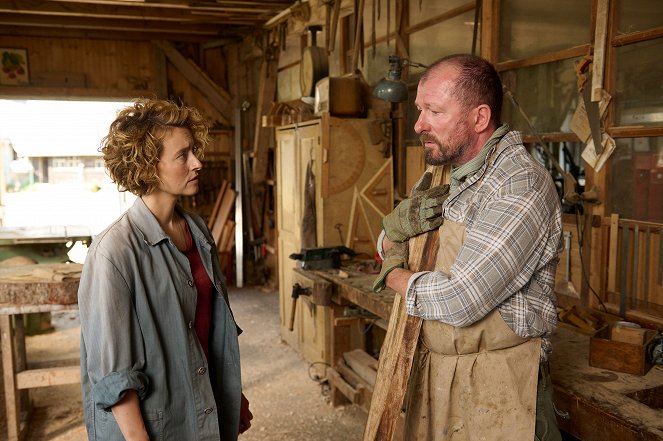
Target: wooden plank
[(228, 231), (637, 37), (576, 51), (160, 74), (217, 204), (266, 96), (400, 343), (219, 98), (612, 252), (344, 387), (224, 212), (365, 390), (363, 364), (12, 402), (48, 377), (600, 38)]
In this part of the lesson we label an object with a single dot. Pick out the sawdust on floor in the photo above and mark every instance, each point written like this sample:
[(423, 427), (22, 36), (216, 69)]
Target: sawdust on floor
[(288, 405)]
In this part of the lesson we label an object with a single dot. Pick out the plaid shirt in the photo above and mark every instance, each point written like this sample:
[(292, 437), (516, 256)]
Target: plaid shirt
[(509, 257)]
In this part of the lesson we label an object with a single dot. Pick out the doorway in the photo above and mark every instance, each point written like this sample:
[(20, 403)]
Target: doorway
[(51, 172)]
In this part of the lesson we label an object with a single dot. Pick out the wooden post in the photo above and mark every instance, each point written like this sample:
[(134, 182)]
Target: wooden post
[(266, 96), (600, 36), (400, 342), (12, 400)]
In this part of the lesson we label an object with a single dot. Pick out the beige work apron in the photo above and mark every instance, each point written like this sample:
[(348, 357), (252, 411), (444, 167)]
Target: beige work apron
[(472, 383)]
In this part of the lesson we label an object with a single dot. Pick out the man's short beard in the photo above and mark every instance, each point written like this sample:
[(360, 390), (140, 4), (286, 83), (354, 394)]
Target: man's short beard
[(442, 157)]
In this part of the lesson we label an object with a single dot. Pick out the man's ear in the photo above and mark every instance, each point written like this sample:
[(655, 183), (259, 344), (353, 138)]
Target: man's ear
[(481, 118)]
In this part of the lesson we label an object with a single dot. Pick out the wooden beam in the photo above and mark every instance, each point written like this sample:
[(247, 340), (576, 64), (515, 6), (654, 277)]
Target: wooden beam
[(218, 98), (137, 11), (576, 51), (600, 39), (441, 17), (47, 31), (490, 15), (262, 137), (400, 343), (634, 131), (48, 377), (27, 92), (637, 37), (12, 401), (110, 24), (160, 73), (147, 11)]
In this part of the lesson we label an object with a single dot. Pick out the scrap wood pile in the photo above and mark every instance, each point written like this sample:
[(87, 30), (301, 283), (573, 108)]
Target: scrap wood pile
[(579, 318), (354, 376), (219, 222)]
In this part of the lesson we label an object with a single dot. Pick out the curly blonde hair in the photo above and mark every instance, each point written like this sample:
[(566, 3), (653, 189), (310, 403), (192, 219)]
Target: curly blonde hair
[(132, 148)]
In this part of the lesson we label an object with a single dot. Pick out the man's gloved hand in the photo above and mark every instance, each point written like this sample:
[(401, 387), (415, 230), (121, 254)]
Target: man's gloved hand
[(419, 213), (394, 257)]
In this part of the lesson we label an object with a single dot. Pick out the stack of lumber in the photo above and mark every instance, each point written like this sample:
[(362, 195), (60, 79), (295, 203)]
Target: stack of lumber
[(220, 225), (580, 318), (354, 375)]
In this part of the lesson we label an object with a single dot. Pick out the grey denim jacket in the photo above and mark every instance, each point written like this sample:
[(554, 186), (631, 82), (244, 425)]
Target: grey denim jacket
[(137, 303)]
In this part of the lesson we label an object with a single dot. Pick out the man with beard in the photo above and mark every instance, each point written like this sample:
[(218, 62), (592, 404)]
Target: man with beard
[(488, 307)]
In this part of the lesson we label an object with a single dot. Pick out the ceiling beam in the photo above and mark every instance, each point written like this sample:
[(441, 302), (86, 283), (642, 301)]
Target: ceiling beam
[(99, 34), (134, 11), (215, 94), (209, 29)]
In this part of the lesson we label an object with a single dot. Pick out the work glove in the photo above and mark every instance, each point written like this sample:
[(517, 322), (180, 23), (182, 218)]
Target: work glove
[(394, 257), (419, 213)]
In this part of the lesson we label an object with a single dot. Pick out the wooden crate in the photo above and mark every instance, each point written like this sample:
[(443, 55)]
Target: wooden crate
[(621, 349)]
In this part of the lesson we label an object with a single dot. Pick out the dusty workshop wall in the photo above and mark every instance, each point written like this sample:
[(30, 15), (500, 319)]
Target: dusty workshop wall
[(70, 67)]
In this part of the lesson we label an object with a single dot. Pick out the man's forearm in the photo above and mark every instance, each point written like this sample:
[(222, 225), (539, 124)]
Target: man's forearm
[(398, 280), (128, 417)]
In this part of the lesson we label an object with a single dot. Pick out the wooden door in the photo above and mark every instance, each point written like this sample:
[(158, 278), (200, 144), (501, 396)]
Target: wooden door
[(287, 173)]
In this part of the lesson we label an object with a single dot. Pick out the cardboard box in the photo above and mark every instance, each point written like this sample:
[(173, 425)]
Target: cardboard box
[(621, 349)]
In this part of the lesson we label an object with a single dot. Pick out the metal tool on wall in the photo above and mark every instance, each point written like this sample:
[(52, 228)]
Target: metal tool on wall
[(297, 290), (309, 221), (567, 286)]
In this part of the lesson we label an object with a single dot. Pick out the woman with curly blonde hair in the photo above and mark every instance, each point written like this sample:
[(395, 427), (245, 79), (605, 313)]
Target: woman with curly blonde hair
[(159, 346)]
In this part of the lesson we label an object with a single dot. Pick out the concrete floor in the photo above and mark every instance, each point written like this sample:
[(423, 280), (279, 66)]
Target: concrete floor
[(287, 404)]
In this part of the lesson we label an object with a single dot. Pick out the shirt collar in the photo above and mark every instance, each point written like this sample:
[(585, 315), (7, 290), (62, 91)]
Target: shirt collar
[(461, 173)]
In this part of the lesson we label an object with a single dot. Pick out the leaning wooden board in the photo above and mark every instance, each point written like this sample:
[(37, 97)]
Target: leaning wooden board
[(400, 343), (40, 284)]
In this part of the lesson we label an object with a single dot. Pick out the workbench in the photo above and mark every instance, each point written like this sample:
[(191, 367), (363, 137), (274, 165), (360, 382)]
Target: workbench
[(49, 283), (47, 244), (597, 404)]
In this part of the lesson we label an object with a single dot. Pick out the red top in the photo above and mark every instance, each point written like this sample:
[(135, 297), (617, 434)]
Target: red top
[(203, 320)]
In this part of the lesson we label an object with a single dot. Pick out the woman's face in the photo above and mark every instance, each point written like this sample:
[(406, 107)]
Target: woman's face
[(178, 167)]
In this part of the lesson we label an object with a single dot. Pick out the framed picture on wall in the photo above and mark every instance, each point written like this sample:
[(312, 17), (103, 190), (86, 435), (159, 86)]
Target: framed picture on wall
[(14, 67)]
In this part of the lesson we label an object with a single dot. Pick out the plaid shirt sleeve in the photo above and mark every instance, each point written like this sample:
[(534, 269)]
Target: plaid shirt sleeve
[(509, 257)]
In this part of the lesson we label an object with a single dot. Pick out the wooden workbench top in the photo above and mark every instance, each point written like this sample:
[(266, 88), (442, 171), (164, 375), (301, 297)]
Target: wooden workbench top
[(41, 283), (356, 287), (602, 403)]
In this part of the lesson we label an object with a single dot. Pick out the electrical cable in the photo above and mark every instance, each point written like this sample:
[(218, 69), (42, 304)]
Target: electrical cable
[(580, 232), (316, 377), (325, 388)]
